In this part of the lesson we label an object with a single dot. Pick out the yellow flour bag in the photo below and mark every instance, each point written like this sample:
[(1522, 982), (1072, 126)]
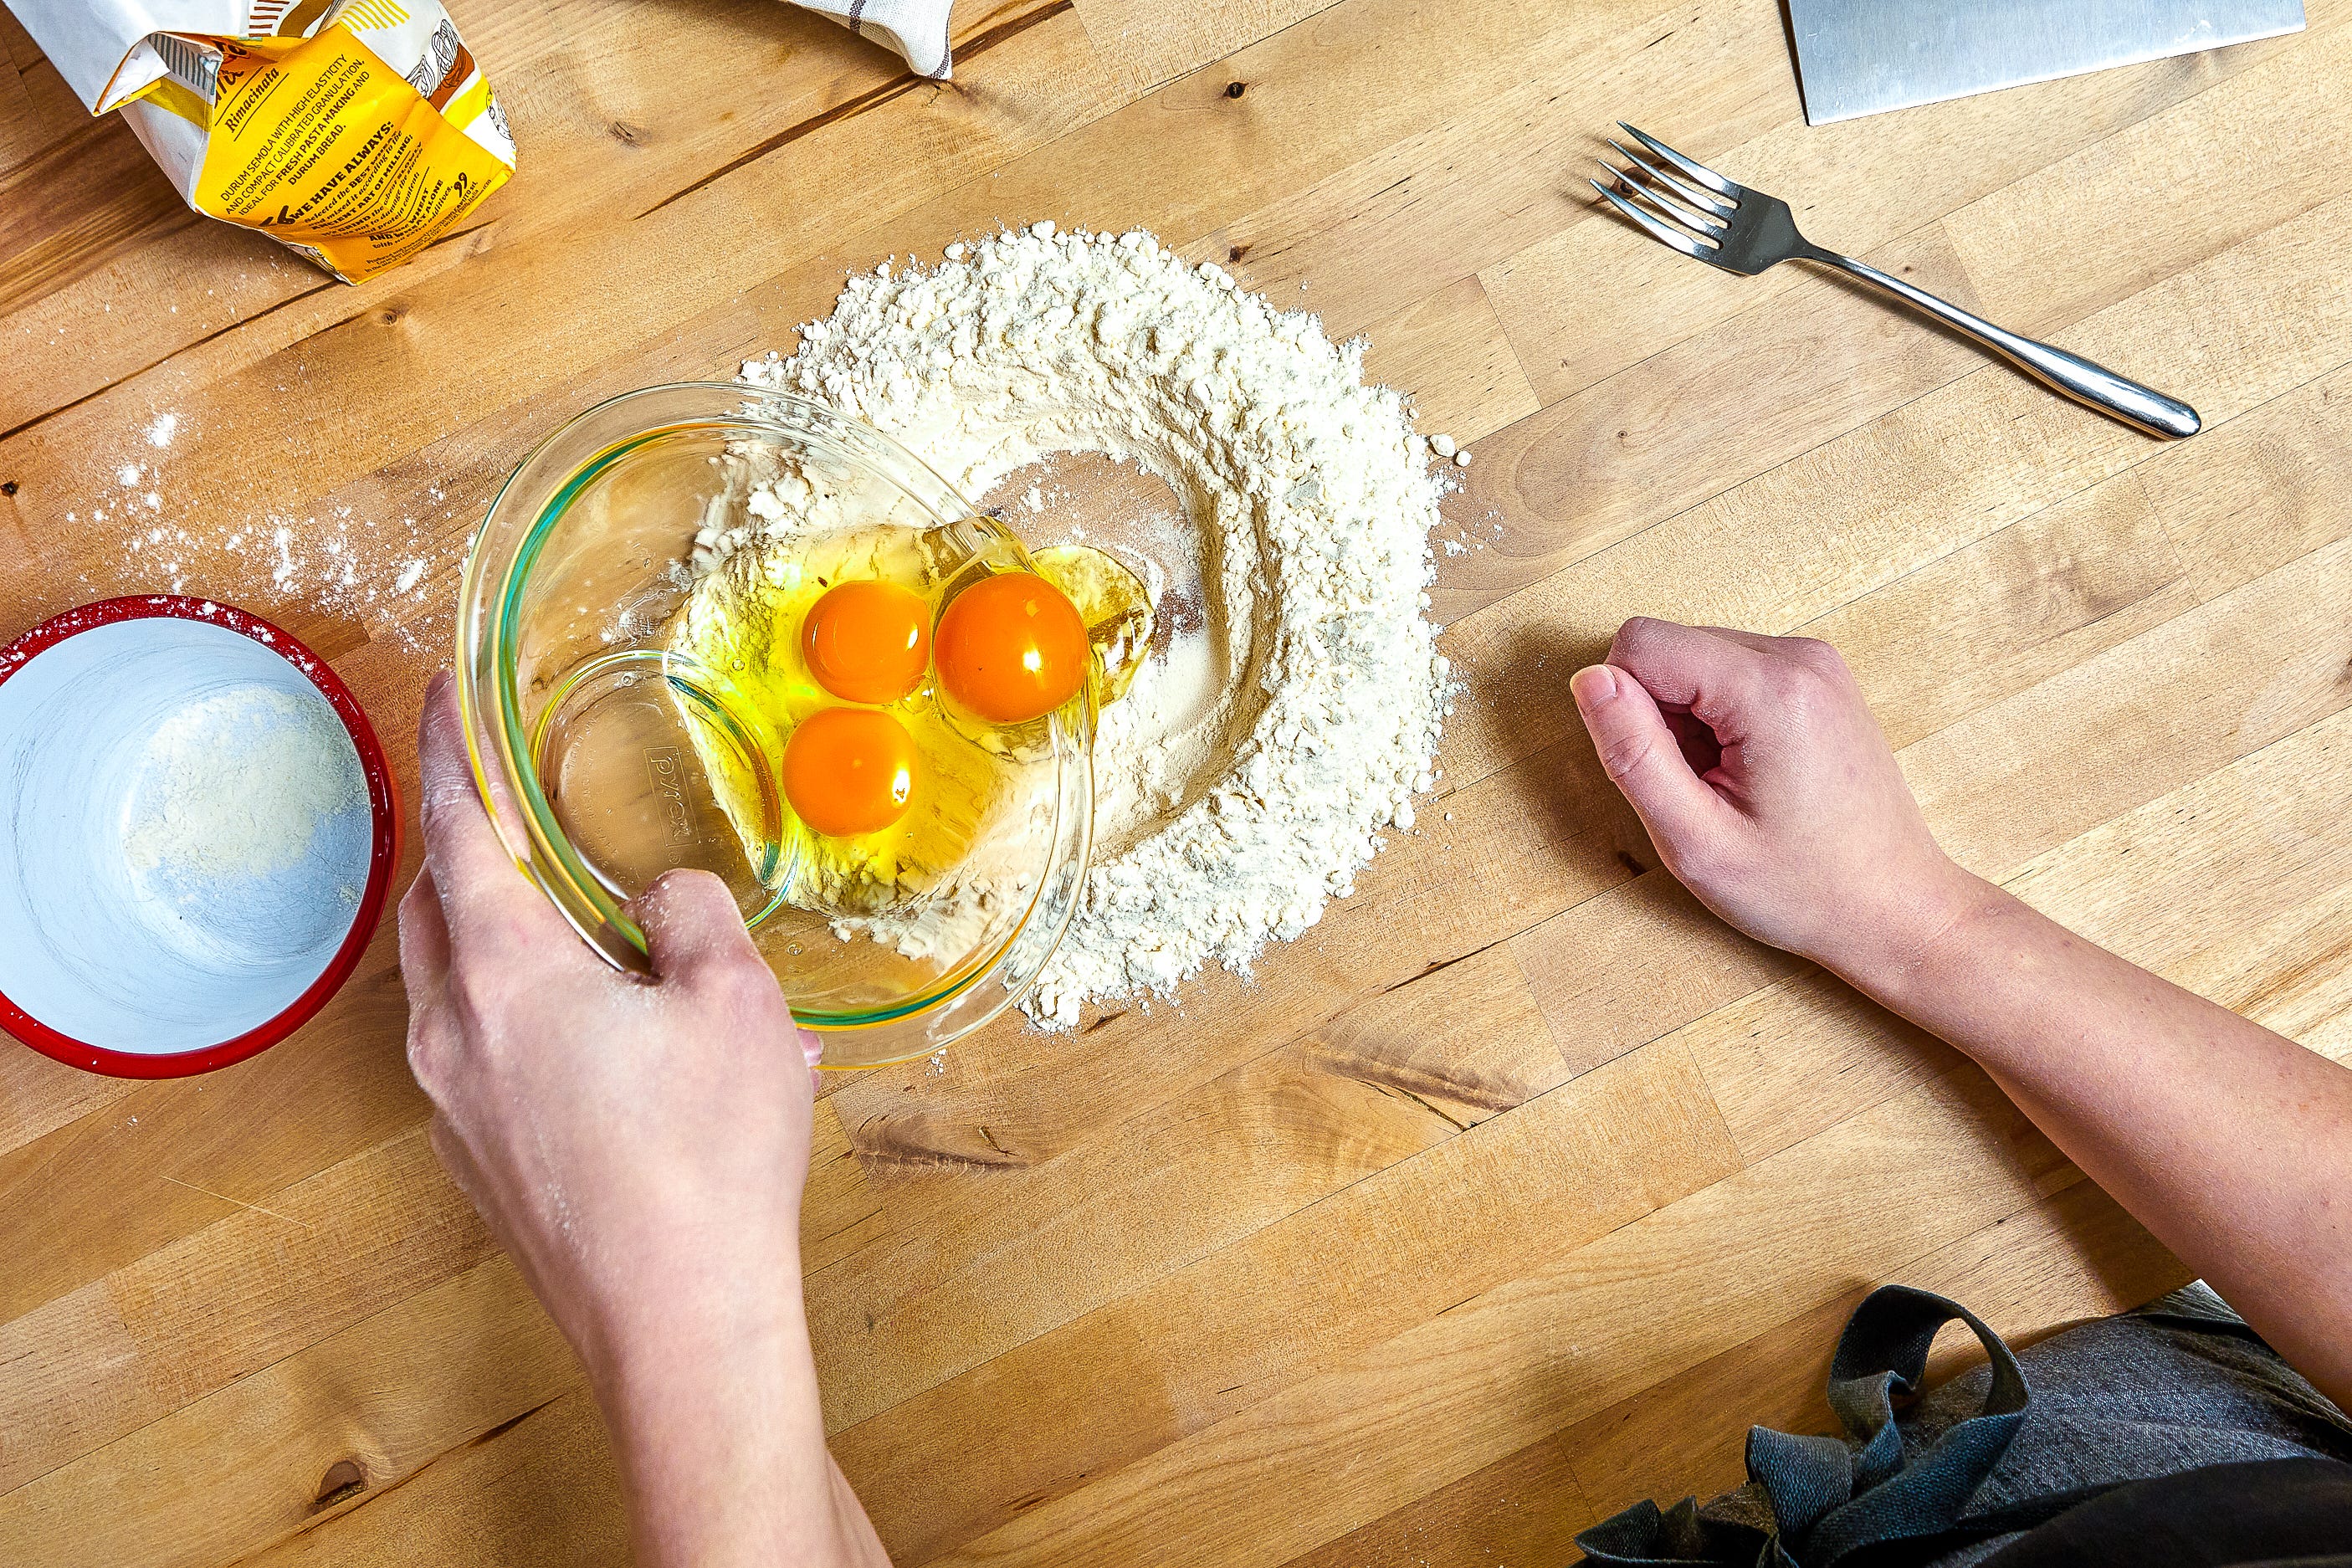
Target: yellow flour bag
[(354, 132)]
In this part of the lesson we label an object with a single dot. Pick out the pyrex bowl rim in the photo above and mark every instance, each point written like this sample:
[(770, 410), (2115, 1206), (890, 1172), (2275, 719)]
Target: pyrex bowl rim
[(555, 861)]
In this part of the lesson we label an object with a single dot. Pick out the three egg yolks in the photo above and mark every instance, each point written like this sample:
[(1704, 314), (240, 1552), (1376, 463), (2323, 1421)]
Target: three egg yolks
[(848, 771), (1012, 647)]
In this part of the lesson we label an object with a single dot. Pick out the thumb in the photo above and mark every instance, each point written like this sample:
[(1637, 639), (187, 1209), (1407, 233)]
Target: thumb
[(690, 923), (1638, 750)]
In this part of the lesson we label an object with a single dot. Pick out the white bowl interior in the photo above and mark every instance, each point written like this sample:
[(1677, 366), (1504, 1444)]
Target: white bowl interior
[(150, 902)]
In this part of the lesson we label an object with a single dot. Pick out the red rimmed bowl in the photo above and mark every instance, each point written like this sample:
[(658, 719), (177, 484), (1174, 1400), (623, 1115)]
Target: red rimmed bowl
[(190, 863)]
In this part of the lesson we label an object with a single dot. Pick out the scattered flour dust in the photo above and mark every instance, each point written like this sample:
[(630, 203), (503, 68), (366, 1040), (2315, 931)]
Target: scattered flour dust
[(345, 560), (1243, 782)]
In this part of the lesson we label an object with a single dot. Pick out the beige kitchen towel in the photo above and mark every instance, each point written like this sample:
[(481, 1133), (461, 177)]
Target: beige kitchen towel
[(916, 28)]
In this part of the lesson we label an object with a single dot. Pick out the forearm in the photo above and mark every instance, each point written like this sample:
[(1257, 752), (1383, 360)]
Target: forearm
[(722, 1448), (2232, 1144), (1757, 768)]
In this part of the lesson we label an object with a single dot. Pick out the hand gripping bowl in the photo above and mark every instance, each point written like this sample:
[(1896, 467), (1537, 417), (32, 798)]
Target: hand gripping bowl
[(591, 737)]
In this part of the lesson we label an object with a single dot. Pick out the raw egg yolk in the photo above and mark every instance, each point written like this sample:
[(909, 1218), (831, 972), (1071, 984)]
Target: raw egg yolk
[(867, 642), (1012, 647), (849, 770)]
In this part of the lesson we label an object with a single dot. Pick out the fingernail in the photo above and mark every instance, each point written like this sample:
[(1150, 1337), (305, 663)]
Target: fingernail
[(812, 1046), (437, 684), (1593, 685)]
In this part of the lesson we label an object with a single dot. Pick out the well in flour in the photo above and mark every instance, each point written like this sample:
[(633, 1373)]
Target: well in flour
[(1244, 780)]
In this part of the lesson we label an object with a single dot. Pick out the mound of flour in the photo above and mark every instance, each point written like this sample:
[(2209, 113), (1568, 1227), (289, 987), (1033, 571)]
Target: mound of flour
[(1243, 782)]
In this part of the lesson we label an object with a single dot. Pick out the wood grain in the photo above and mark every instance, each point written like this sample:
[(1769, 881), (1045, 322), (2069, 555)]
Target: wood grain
[(1513, 1192)]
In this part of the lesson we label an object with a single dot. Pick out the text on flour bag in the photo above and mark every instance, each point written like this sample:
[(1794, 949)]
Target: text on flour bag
[(355, 132)]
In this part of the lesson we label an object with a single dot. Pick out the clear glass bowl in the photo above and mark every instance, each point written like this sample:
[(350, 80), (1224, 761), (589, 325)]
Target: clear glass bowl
[(597, 731)]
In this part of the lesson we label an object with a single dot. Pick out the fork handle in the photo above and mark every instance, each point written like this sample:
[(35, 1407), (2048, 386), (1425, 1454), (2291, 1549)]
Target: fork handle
[(2142, 407)]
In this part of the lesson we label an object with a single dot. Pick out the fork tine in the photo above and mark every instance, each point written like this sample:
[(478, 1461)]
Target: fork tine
[(1694, 195), (1705, 176), (1668, 199), (1664, 233)]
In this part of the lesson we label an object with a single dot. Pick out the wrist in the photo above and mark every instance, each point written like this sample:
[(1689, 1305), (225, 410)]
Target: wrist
[(691, 1390), (1899, 946), (719, 1437), (694, 1337)]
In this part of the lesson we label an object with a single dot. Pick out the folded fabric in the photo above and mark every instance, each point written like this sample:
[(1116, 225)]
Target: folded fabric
[(916, 28)]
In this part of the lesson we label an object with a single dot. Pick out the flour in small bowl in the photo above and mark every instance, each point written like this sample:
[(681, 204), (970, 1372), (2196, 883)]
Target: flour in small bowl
[(246, 823), (1244, 780)]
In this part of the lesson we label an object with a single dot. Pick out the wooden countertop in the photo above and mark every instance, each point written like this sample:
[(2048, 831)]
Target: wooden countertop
[(1518, 1188)]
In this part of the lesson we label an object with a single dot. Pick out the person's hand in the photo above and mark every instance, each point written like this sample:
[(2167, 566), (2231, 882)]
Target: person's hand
[(1767, 787), (639, 1147)]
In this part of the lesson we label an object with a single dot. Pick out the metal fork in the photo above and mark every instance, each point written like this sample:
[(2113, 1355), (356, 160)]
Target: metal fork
[(1723, 224)]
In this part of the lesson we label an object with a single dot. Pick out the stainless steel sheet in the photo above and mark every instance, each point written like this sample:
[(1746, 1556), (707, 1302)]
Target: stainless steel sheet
[(1862, 57)]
